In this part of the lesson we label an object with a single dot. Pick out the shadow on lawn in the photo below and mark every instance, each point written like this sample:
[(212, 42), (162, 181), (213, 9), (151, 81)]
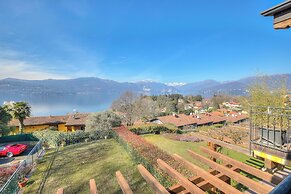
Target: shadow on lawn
[(77, 157), (75, 165)]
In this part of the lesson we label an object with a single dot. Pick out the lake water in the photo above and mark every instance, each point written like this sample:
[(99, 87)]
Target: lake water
[(45, 105)]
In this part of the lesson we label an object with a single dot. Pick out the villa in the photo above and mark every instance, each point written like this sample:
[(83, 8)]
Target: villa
[(66, 123)]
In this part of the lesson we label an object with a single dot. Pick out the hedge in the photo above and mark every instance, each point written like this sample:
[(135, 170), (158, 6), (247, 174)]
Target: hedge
[(140, 159), (17, 138), (153, 128), (147, 154), (56, 138)]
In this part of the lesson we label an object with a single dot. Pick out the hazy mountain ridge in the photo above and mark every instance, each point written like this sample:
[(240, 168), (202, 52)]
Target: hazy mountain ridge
[(18, 89)]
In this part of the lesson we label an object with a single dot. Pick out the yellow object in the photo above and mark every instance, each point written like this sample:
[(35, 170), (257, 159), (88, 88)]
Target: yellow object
[(32, 128), (272, 158), (62, 127), (28, 129)]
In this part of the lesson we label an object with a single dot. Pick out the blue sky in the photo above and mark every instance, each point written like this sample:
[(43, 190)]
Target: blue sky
[(131, 40)]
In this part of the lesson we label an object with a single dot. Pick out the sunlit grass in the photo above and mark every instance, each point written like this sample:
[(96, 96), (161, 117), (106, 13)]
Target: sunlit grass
[(75, 165), (180, 148)]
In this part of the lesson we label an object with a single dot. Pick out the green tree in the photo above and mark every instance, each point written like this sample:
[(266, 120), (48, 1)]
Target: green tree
[(216, 100), (4, 119), (269, 96), (19, 111), (268, 92), (162, 102), (102, 121), (194, 98)]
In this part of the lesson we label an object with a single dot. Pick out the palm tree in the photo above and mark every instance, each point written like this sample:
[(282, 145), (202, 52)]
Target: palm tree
[(18, 110)]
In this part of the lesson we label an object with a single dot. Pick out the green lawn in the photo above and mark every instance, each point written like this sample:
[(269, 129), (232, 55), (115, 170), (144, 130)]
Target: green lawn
[(180, 148), (176, 147), (75, 165)]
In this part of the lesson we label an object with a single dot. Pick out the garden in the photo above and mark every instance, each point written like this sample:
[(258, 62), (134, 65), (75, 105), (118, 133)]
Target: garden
[(75, 165), (147, 154), (74, 158), (180, 147), (72, 166), (5, 173)]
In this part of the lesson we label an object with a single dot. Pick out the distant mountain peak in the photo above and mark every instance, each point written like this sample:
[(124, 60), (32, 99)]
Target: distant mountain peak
[(176, 84), (146, 81)]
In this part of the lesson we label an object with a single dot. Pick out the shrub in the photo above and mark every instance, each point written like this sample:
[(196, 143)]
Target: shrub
[(56, 138), (152, 128), (52, 138), (52, 128), (102, 121), (147, 154), (6, 172), (190, 130), (218, 125)]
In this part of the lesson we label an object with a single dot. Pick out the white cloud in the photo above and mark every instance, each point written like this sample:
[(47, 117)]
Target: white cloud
[(10, 68), (22, 65)]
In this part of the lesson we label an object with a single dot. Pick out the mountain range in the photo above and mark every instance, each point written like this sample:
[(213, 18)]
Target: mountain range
[(94, 85), (83, 91)]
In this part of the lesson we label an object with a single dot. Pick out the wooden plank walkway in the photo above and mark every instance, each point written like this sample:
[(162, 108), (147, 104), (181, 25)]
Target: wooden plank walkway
[(150, 179), (123, 183), (60, 191), (93, 187), (242, 166), (255, 186), (189, 186), (208, 178)]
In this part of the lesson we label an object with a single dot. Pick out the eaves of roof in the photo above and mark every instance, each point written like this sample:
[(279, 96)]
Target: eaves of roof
[(278, 8)]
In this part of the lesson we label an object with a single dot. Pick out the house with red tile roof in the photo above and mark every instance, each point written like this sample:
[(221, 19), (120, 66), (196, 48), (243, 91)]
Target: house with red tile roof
[(179, 120), (183, 121), (69, 122), (236, 118), (196, 120)]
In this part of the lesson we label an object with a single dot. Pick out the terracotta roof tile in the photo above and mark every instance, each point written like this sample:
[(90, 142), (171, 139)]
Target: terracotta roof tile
[(201, 119), (41, 120), (77, 119), (235, 118), (178, 120)]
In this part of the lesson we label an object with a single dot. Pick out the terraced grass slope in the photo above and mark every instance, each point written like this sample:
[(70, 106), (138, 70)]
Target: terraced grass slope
[(75, 165), (180, 148)]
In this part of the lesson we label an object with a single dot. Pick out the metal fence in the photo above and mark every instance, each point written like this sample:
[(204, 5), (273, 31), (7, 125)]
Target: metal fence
[(271, 127), (18, 138), (11, 186)]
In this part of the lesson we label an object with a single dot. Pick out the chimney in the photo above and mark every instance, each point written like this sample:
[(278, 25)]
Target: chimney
[(75, 113)]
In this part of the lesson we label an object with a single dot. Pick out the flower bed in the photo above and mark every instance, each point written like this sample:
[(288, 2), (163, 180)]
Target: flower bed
[(147, 154), (6, 172)]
